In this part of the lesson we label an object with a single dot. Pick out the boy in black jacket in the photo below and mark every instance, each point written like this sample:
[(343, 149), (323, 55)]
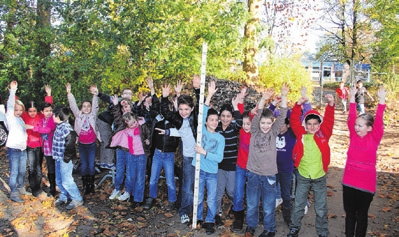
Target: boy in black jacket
[(64, 152)]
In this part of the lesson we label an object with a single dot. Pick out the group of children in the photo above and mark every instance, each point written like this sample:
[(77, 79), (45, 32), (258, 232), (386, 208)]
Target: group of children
[(252, 153)]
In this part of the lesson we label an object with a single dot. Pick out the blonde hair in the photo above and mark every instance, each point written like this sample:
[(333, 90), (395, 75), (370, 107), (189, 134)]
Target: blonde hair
[(18, 102)]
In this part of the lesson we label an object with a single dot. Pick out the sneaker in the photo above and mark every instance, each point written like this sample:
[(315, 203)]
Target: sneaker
[(14, 196), (218, 221), (184, 219), (266, 233), (148, 203), (278, 202), (209, 228), (22, 191), (294, 231), (125, 196), (74, 204), (114, 194), (249, 231), (59, 202), (171, 206)]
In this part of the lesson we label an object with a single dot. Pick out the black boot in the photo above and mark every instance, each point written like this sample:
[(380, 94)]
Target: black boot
[(38, 185), (84, 185), (91, 184), (287, 215), (238, 221), (51, 179)]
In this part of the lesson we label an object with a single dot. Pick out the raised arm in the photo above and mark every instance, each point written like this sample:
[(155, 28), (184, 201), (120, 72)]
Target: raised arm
[(265, 96), (48, 98), (378, 126), (211, 91), (72, 101), (352, 111), (95, 108), (11, 98)]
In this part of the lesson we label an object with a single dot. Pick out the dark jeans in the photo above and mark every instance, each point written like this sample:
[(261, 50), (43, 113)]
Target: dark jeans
[(356, 205), (87, 153), (35, 161), (284, 179), (50, 164)]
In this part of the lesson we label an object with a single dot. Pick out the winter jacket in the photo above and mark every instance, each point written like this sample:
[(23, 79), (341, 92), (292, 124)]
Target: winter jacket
[(322, 136), (80, 117), (164, 143), (360, 172)]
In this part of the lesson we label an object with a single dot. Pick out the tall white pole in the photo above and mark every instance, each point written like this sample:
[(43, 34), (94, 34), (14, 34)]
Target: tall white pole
[(199, 134)]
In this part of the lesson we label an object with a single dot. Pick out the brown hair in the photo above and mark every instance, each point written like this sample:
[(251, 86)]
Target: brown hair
[(368, 118)]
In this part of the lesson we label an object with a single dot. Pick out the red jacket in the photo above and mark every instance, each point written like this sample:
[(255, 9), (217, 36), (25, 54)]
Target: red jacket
[(322, 136)]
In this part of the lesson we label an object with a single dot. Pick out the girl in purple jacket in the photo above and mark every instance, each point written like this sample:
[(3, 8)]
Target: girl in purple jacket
[(360, 176)]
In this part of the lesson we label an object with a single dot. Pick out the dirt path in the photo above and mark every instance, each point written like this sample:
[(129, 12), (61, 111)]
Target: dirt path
[(102, 217)]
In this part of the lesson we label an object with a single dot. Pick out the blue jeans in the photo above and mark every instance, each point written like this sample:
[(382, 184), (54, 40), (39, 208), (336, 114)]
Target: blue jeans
[(167, 161), (210, 181), (320, 197), (87, 153), (65, 182), (187, 189), (137, 165), (284, 184), (261, 187), (17, 161), (241, 179), (122, 161)]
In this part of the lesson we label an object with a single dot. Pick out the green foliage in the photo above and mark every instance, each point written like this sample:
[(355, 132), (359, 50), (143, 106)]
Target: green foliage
[(116, 44), (285, 70)]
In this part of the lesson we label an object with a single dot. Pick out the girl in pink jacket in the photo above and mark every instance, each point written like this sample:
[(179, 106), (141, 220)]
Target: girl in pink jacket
[(360, 176)]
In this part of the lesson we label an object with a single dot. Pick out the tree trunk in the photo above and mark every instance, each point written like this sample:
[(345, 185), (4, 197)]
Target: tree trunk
[(250, 68), (43, 50)]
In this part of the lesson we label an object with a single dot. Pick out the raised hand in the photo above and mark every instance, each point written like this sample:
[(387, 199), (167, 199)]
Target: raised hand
[(13, 85), (212, 87), (284, 90), (94, 90), (114, 99), (150, 83), (166, 90), (303, 91), (382, 93), (178, 87), (196, 81), (267, 94), (330, 99), (47, 88), (68, 88)]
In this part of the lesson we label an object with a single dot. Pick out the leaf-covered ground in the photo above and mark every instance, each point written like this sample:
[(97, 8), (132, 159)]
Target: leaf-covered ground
[(102, 217)]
